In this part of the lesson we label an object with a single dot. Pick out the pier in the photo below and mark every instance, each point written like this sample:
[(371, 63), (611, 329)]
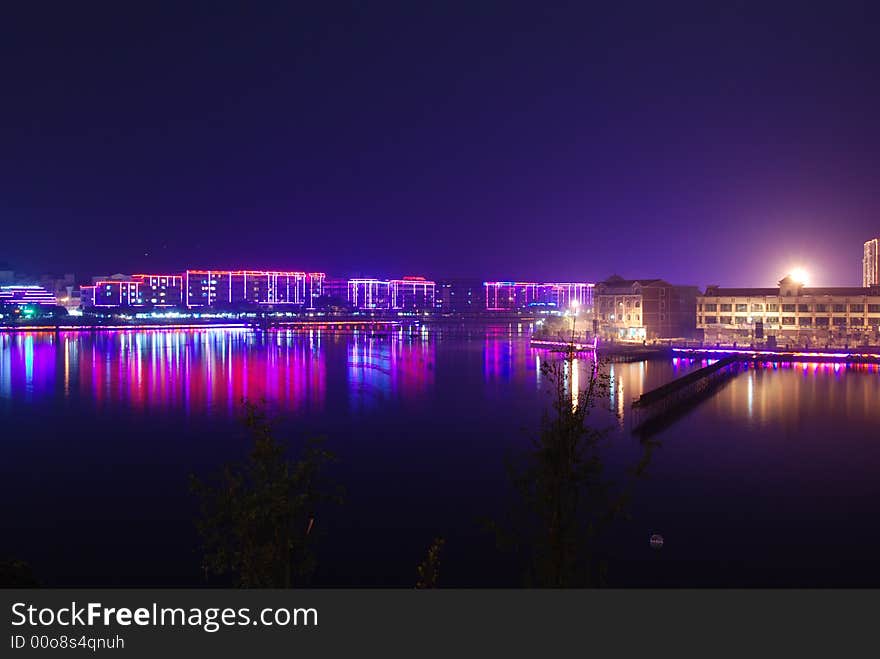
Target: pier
[(655, 409), (611, 352)]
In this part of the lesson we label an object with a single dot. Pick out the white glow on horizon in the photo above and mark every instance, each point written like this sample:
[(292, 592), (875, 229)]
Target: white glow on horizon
[(800, 276)]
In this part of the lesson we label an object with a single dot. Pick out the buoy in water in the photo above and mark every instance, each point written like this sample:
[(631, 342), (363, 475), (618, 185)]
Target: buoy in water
[(656, 541)]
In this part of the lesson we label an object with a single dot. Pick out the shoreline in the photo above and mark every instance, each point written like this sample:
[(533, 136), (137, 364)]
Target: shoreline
[(344, 323)]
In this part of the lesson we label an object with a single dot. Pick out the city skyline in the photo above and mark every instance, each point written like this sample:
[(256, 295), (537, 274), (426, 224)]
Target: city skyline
[(705, 145)]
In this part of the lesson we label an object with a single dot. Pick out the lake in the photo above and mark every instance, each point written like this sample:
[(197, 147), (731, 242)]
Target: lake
[(773, 481)]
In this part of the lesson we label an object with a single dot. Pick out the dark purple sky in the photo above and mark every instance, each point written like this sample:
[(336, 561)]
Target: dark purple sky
[(497, 140)]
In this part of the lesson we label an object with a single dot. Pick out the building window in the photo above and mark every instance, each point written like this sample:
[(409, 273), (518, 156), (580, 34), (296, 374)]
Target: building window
[(741, 308), (726, 307), (856, 321), (788, 308), (859, 308), (757, 307), (773, 320), (804, 322), (822, 322), (821, 308), (772, 307), (787, 320), (839, 308), (742, 320), (874, 308), (840, 322), (726, 320), (711, 307), (803, 308), (712, 320)]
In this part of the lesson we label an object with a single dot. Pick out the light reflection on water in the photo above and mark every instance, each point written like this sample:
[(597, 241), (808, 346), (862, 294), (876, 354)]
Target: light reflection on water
[(202, 370), (421, 423)]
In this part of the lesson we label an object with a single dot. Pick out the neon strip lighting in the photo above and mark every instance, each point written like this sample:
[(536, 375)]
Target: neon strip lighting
[(772, 353)]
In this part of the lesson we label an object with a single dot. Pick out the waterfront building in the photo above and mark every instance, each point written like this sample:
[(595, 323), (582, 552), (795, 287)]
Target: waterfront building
[(368, 293), (211, 288), (644, 309), (159, 290), (871, 263), (791, 313), (510, 295), (406, 294), (513, 295), (111, 293), (314, 288), (460, 296), (412, 294), (26, 295), (567, 295)]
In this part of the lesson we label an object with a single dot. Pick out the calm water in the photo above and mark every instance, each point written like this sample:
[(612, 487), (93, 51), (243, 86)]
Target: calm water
[(773, 481)]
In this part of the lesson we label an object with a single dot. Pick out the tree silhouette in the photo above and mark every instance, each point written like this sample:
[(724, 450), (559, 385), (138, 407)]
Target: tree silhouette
[(257, 519), (563, 499), (429, 569)]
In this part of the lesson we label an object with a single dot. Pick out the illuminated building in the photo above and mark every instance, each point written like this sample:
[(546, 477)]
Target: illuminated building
[(26, 295), (111, 293), (871, 263), (315, 287), (790, 312), (407, 294), (412, 293), (369, 293), (159, 290), (512, 295), (566, 295), (209, 288), (644, 309)]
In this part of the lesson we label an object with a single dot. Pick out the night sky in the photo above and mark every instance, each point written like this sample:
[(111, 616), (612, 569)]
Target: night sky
[(555, 141)]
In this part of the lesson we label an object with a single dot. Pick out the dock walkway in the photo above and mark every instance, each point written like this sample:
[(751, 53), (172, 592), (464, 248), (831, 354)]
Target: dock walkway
[(660, 405)]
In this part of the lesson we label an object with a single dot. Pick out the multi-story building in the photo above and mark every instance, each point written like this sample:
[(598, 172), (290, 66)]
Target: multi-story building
[(111, 293), (412, 294), (26, 295), (135, 291), (160, 290), (871, 263), (567, 295), (644, 309), (461, 296), (368, 293), (213, 288), (792, 313), (512, 295), (406, 294)]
